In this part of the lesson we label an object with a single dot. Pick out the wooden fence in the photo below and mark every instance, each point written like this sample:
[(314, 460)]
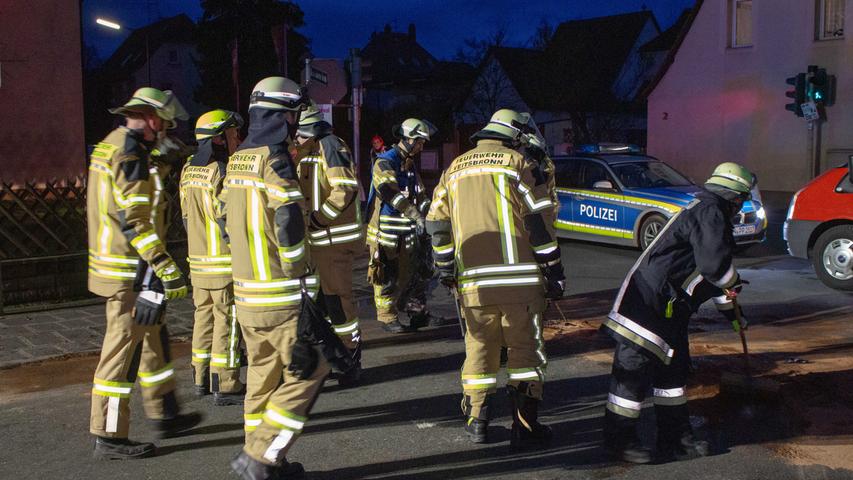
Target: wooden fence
[(43, 240)]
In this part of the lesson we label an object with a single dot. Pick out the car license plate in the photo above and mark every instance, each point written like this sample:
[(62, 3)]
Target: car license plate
[(741, 230)]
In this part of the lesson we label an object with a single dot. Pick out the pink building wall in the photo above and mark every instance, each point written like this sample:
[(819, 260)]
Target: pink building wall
[(717, 103), (41, 90)]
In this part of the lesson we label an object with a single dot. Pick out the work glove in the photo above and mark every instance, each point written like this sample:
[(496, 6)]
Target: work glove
[(303, 359), (149, 308), (174, 283), (555, 281)]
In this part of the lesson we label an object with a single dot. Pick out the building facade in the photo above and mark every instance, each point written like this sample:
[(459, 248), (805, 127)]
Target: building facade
[(723, 96), (41, 91)]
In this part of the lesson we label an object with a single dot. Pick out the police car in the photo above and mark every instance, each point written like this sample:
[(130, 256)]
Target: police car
[(613, 193)]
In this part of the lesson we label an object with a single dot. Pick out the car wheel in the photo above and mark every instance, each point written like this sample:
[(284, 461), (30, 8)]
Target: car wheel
[(833, 257), (650, 228)]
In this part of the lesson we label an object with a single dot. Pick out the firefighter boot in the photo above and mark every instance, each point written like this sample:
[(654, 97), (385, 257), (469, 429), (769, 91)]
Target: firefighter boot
[(621, 441), (201, 388), (477, 427), (676, 440), (250, 469), (170, 427), (121, 449), (526, 431), (224, 399)]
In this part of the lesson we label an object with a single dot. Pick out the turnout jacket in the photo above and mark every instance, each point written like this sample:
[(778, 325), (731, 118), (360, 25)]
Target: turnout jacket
[(396, 191), (328, 182), (201, 209), (124, 198), (486, 221), (688, 263), (264, 211)]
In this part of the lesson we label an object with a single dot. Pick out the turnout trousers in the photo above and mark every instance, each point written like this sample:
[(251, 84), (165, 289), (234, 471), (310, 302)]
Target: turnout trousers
[(387, 293), (130, 351), (277, 403), (216, 340), (635, 372), (334, 265), (519, 328)]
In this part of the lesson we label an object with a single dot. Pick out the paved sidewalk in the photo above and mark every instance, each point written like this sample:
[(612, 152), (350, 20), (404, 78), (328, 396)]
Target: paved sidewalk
[(30, 337)]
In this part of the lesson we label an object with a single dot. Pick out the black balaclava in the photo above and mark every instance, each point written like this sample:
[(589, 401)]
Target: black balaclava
[(209, 151), (266, 127)]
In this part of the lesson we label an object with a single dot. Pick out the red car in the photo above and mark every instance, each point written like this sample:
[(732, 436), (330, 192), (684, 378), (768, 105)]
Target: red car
[(819, 226)]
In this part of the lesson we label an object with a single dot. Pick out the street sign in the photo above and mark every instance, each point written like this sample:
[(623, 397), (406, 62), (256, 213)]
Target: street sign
[(810, 111), (326, 112)]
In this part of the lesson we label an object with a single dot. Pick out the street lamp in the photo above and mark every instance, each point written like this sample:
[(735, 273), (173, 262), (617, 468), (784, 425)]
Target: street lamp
[(116, 26)]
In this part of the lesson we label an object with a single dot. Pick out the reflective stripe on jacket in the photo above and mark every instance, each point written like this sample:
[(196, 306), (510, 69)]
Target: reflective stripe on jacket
[(264, 210), (330, 187), (209, 254), (121, 213)]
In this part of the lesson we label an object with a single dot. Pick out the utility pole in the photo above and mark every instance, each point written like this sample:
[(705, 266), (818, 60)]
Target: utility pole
[(355, 69)]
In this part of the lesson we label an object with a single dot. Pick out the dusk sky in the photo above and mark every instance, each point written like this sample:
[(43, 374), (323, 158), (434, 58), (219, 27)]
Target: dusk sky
[(334, 26)]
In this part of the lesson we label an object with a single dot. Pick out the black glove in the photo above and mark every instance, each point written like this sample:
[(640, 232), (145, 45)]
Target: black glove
[(149, 308), (303, 359), (555, 281), (447, 276), (314, 222)]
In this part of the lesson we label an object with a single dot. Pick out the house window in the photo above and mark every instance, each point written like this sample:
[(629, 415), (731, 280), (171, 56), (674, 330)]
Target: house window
[(741, 23), (173, 57), (319, 76), (830, 19)]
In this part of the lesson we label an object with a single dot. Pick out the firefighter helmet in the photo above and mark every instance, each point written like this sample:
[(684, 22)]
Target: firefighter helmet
[(311, 115), (215, 122), (734, 177), (507, 124), (415, 128), (277, 93), (164, 102)]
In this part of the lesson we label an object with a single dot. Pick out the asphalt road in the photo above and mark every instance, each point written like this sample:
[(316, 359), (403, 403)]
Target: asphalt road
[(405, 423)]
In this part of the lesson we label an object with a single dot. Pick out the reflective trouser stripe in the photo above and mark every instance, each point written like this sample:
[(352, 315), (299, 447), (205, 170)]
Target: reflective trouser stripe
[(201, 357), (525, 374), (480, 381), (670, 396), (623, 406), (106, 388), (150, 379), (347, 328), (252, 420)]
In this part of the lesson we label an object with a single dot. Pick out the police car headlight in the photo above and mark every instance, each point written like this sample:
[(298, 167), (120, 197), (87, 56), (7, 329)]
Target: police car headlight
[(761, 214)]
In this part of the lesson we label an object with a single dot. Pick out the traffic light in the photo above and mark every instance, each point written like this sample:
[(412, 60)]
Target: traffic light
[(821, 87), (798, 93)]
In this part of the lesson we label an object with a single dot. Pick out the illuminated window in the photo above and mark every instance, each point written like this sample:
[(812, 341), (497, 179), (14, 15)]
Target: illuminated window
[(830, 19), (740, 23)]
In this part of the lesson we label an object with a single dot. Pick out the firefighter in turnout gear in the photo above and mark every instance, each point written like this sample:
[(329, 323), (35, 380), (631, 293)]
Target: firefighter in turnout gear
[(335, 231), (491, 244), (689, 263), (398, 202), (216, 334), (264, 209), (129, 265)]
